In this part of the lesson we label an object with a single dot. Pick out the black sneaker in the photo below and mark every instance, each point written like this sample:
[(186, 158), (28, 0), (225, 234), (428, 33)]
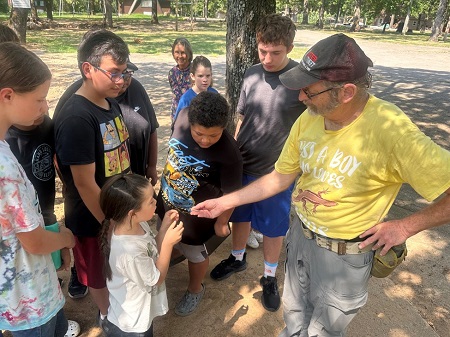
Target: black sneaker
[(75, 288), (227, 267), (270, 297), (101, 322)]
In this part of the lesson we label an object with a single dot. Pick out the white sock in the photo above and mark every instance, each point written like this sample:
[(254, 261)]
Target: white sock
[(238, 254), (270, 269)]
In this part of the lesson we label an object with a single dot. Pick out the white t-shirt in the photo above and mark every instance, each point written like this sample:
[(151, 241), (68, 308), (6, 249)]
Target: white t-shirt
[(134, 298), (30, 294)]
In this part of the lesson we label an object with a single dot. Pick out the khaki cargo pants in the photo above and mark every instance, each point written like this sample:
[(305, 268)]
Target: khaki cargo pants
[(323, 291)]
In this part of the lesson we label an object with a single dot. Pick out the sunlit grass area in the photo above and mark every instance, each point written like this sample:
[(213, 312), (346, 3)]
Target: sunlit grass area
[(137, 31), (208, 38), (414, 38)]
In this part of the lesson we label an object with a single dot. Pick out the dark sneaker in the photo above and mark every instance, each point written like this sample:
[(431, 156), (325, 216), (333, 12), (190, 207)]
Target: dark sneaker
[(101, 322), (270, 297), (189, 302), (75, 288), (227, 267)]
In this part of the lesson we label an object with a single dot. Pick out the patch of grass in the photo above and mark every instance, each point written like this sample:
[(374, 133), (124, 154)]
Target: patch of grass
[(142, 36), (204, 42), (137, 31), (414, 38), (54, 40)]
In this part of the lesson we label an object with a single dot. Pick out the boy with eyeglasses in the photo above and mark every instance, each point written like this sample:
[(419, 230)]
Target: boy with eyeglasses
[(84, 159), (140, 119)]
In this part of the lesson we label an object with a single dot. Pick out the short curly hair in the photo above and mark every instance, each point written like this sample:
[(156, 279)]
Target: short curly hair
[(209, 109), (276, 29)]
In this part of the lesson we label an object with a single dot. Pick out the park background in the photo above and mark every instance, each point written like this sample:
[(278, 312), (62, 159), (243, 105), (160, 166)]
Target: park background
[(409, 70)]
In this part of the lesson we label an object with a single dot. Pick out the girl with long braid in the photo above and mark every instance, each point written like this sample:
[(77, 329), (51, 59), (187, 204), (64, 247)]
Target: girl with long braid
[(136, 262)]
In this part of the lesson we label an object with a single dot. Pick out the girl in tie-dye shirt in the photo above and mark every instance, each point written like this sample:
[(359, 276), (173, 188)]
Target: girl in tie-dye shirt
[(31, 300)]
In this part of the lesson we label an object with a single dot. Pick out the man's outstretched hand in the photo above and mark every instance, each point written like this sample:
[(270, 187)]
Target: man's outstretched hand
[(208, 209)]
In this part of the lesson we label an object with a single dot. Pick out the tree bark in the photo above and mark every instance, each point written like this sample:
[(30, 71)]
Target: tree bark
[(408, 14), (305, 12), (18, 22), (242, 18), (205, 10), (438, 23), (355, 25), (321, 16), (338, 12), (108, 20), (155, 12), (91, 7), (34, 13), (49, 9)]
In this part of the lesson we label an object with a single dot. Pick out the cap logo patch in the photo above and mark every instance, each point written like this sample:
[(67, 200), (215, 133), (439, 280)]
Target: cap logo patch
[(309, 60)]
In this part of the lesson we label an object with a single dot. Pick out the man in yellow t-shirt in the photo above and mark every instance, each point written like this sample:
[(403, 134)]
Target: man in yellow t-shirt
[(351, 153)]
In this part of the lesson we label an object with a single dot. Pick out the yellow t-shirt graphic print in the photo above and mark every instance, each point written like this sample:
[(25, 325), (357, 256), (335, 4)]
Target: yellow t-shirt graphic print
[(350, 177)]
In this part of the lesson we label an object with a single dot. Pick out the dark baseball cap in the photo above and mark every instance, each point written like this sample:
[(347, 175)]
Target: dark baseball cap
[(131, 66), (336, 58)]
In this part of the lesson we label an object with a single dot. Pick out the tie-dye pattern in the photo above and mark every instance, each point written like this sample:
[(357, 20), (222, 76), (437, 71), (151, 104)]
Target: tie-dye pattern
[(30, 294)]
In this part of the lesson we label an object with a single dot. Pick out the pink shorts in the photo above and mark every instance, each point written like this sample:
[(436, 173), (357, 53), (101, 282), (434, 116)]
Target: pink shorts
[(89, 262)]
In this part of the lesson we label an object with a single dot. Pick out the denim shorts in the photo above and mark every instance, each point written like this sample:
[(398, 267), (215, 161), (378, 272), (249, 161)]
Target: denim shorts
[(55, 327), (269, 216)]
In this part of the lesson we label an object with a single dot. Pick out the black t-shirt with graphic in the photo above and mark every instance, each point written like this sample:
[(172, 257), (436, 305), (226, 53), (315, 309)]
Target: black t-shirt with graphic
[(84, 134), (193, 174), (139, 117), (34, 149)]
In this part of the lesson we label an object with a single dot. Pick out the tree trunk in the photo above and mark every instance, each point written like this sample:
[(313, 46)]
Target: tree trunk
[(192, 15), (242, 19), (49, 9), (108, 20), (205, 10), (18, 22), (338, 12), (176, 15), (91, 7), (391, 23), (408, 14), (321, 16), (305, 12), (438, 21), (34, 13), (155, 12), (355, 25)]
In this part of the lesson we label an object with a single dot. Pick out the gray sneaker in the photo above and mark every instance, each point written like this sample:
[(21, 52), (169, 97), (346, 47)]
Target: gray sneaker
[(189, 302)]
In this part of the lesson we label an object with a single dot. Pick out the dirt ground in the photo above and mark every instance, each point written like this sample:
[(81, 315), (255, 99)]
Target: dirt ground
[(402, 74)]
